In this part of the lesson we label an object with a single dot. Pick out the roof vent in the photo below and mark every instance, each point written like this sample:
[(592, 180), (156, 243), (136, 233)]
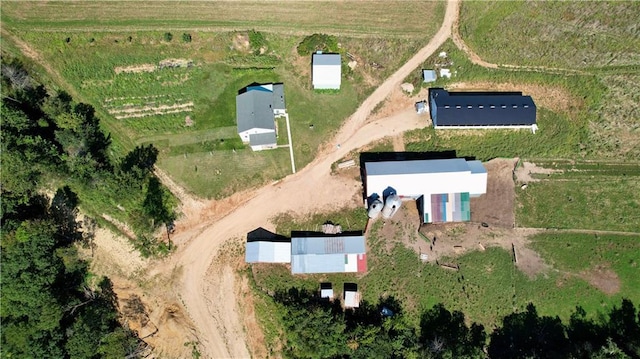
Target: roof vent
[(503, 106), (514, 106), (526, 106), (458, 106), (480, 106), (493, 106), (469, 106), (446, 106)]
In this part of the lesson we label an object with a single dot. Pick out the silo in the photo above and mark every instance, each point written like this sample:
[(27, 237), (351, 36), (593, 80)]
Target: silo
[(375, 208), (391, 206)]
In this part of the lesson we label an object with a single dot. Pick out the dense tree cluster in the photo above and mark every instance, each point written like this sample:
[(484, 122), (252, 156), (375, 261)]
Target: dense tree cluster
[(49, 138), (49, 308), (317, 328)]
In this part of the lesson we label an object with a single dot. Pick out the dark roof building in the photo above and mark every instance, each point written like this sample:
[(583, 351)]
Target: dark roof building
[(481, 109)]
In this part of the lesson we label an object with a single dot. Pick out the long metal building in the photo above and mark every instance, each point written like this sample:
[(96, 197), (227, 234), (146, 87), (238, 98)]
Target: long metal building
[(441, 187), (481, 109), (326, 253)]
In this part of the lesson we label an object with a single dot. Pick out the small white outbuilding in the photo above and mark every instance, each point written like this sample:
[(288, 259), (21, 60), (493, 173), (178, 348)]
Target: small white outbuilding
[(326, 71)]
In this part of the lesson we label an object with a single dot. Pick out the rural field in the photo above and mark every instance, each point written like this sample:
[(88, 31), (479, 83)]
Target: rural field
[(167, 73), (575, 35)]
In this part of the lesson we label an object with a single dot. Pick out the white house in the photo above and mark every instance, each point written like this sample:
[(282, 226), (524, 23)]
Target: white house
[(256, 109), (442, 188), (326, 71)]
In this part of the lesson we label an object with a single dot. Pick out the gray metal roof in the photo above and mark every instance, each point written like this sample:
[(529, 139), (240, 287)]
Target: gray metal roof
[(428, 75), (328, 245), (326, 59), (416, 166), (254, 110), (326, 254), (260, 139), (481, 108), (278, 97)]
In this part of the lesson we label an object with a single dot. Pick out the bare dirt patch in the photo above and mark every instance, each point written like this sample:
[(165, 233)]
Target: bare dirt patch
[(497, 206), (135, 69), (554, 98), (241, 42), (398, 101), (525, 171), (603, 278)]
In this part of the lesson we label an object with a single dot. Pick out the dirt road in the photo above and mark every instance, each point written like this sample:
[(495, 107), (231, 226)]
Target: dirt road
[(210, 300)]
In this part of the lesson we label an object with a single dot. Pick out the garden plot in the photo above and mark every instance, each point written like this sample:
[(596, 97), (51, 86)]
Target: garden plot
[(149, 108)]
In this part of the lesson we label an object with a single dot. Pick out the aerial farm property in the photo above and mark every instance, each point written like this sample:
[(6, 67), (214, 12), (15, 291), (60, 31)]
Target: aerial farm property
[(457, 179)]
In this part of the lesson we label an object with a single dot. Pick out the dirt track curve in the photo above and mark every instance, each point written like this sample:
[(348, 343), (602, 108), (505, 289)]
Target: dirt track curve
[(210, 299)]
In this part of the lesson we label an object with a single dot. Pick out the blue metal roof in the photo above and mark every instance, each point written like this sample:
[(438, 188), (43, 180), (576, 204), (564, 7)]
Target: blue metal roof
[(428, 75), (481, 108)]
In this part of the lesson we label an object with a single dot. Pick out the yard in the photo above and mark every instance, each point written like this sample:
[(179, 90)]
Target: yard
[(581, 195), (178, 91)]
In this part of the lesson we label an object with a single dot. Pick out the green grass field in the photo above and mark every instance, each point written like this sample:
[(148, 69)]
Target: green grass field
[(595, 196), (554, 34)]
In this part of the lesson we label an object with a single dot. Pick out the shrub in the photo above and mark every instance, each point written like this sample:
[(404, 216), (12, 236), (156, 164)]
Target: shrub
[(168, 36), (256, 41), (186, 37), (317, 42)]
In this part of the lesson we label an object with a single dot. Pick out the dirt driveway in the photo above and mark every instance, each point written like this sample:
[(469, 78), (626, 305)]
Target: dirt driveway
[(216, 316)]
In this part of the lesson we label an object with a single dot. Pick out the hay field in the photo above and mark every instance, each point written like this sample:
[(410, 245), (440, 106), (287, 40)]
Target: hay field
[(367, 18), (571, 34)]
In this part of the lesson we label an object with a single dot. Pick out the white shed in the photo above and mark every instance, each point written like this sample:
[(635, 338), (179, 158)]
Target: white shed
[(268, 252), (326, 71)]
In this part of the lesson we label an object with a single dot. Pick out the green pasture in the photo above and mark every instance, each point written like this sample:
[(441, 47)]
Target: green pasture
[(555, 34), (596, 196)]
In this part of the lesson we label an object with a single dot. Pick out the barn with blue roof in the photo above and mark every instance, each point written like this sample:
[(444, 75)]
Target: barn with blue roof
[(481, 109)]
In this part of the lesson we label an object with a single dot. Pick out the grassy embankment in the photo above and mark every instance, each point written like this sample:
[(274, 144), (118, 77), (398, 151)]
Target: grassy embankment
[(151, 107)]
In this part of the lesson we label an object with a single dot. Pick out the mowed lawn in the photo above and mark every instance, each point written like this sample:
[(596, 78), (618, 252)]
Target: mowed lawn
[(592, 196), (556, 34), (488, 286), (402, 18)]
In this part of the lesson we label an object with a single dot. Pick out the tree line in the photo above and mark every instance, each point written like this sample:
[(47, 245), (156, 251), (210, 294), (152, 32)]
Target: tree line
[(52, 306), (48, 138), (318, 328)]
